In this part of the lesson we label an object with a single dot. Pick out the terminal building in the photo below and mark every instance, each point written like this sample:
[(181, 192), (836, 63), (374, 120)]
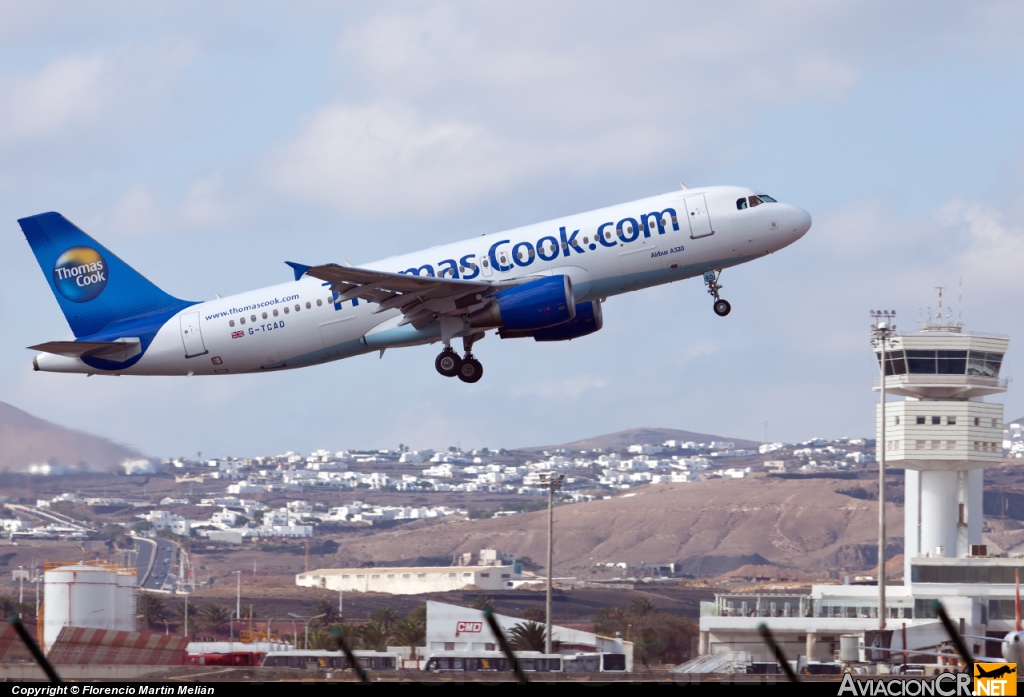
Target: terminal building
[(943, 433)]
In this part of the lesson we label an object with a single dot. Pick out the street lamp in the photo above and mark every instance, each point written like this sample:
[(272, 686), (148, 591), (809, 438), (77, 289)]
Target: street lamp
[(882, 332), (308, 620), (238, 594), (554, 483)]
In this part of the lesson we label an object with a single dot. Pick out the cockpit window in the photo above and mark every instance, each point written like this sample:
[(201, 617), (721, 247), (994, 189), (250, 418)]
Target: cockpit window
[(754, 201), (741, 203), (767, 199)]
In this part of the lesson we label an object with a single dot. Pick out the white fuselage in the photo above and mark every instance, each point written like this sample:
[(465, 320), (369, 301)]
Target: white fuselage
[(297, 324)]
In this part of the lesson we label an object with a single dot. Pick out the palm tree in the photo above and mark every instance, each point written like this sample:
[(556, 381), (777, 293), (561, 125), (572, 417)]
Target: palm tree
[(418, 615), (535, 613), (347, 631), (641, 607), (481, 601), (384, 616), (409, 633), (152, 609), (374, 635), (327, 609), (216, 617), (8, 606), (527, 636), (609, 620)]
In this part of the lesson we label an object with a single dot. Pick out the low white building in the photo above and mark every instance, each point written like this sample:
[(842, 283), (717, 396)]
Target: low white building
[(409, 580)]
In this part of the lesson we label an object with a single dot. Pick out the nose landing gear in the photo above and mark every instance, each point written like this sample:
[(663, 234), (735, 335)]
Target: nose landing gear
[(468, 368), (720, 306)]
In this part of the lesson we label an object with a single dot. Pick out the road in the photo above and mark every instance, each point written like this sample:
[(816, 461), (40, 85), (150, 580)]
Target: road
[(50, 516), (155, 577)]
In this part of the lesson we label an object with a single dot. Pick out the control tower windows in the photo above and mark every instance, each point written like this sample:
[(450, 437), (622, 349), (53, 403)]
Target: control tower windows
[(951, 421), (984, 364), (918, 362), (895, 363), (936, 420), (920, 421)]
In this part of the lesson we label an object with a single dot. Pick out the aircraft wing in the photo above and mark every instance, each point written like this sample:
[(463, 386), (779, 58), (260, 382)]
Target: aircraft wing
[(419, 298), (122, 349)]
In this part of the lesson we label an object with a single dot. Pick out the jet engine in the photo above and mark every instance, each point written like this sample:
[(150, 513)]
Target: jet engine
[(588, 320), (530, 306)]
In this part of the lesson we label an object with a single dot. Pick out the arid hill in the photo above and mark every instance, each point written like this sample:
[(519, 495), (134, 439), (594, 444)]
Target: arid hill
[(710, 527), (26, 439), (637, 436)]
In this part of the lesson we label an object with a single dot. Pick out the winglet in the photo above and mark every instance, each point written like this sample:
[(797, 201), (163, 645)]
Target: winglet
[(299, 269)]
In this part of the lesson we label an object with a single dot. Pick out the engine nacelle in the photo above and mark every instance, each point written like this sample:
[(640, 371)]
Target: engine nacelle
[(530, 306), (588, 320)]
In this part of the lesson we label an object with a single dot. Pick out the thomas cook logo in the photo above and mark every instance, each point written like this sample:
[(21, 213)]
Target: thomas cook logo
[(80, 274), (995, 678)]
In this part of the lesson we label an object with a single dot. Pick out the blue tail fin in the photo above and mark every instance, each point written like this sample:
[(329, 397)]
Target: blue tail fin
[(93, 287)]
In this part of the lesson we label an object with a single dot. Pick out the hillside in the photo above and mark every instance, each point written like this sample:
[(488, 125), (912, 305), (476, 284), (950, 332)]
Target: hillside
[(636, 436), (26, 439), (710, 527)]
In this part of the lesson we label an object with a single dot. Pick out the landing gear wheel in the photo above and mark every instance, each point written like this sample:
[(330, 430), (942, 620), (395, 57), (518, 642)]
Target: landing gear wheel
[(471, 370), (448, 363), (722, 307)]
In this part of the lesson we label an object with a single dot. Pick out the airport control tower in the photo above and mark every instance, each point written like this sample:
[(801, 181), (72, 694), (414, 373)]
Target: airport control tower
[(943, 433)]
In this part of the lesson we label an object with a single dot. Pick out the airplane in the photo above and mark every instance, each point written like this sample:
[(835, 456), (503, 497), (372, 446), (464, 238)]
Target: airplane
[(1013, 643), (545, 281)]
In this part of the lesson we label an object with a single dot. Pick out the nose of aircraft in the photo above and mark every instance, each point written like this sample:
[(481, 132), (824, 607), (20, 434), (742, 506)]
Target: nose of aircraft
[(800, 222)]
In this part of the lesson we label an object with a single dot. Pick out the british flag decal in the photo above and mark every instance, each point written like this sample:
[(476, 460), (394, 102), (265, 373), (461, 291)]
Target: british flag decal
[(237, 335)]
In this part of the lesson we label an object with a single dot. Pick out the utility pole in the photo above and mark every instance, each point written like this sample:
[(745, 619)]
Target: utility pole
[(554, 483), (882, 332), (238, 594)]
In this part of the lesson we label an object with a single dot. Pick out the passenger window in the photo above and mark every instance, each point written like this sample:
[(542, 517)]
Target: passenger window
[(319, 302), (308, 306), (242, 320), (298, 307), (264, 315), (275, 312), (231, 323), (586, 240), (253, 318), (741, 203), (485, 263), (754, 201)]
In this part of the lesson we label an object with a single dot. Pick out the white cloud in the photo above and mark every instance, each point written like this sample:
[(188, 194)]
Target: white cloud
[(571, 388), (381, 159), (90, 95)]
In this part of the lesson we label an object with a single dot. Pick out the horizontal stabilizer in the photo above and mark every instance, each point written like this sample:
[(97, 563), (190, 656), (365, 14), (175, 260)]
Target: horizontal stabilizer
[(119, 350)]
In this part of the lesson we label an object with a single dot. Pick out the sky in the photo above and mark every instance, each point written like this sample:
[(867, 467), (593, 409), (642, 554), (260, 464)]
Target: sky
[(207, 144)]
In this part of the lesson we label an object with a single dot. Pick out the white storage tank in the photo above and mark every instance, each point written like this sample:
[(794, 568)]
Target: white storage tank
[(126, 599), (82, 594)]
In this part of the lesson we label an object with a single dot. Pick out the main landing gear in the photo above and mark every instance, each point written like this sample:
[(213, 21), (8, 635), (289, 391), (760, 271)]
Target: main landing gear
[(720, 306), (467, 368)]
